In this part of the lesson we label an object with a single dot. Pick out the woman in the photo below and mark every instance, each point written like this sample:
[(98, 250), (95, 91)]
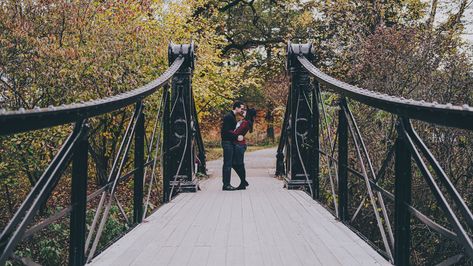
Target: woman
[(240, 145)]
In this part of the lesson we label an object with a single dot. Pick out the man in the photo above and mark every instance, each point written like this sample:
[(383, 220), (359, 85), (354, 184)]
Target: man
[(228, 137)]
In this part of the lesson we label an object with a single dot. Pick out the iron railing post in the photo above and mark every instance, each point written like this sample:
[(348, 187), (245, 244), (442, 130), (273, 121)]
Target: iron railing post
[(316, 142), (402, 193), (300, 135), (166, 125), (79, 200), (342, 163), (181, 161), (294, 167), (139, 167)]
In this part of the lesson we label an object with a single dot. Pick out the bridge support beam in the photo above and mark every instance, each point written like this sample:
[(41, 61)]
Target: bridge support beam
[(342, 163), (79, 200), (166, 133), (180, 156), (402, 193), (315, 139), (139, 167), (302, 142)]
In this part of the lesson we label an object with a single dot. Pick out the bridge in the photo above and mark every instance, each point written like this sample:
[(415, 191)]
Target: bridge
[(263, 225), (308, 216)]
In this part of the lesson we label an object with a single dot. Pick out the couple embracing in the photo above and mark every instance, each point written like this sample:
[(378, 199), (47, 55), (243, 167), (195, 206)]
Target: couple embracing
[(234, 143)]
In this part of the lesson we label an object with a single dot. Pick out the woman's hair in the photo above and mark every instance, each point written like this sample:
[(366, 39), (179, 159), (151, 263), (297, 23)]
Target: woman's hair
[(250, 117)]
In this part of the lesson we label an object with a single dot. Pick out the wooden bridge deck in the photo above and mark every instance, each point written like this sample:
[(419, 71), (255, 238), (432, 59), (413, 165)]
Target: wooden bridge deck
[(263, 225)]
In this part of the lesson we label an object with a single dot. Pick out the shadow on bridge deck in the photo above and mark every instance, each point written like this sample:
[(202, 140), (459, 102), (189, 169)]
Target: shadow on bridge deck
[(263, 225)]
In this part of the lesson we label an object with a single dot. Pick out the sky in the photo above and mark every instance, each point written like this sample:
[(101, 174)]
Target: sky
[(446, 7)]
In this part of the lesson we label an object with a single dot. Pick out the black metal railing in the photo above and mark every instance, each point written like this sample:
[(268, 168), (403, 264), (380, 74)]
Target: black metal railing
[(168, 155), (309, 140)]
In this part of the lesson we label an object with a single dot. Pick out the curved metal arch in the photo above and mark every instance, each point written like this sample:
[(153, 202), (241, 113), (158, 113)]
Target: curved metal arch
[(33, 119), (441, 114)]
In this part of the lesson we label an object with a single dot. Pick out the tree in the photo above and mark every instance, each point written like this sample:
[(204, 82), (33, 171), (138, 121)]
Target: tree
[(256, 35)]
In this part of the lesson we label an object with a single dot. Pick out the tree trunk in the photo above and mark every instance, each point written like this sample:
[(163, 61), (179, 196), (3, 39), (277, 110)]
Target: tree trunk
[(270, 124), (433, 13)]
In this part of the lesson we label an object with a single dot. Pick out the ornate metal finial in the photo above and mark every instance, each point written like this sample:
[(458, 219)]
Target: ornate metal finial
[(298, 49), (185, 50)]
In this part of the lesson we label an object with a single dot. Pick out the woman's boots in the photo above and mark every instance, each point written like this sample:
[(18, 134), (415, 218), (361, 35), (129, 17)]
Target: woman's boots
[(241, 172)]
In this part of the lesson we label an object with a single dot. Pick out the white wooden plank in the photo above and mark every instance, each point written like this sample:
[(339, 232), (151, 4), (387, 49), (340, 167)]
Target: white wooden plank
[(199, 223), (220, 235), (235, 234), (199, 256), (234, 256), (209, 224), (285, 239), (349, 242), (269, 251), (217, 256), (147, 246), (163, 257), (131, 243), (181, 256), (313, 239), (294, 234)]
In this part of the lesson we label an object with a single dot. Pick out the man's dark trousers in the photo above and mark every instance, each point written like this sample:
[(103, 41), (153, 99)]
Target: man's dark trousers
[(228, 150)]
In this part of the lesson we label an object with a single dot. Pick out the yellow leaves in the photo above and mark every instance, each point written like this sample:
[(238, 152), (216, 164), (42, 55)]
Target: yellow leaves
[(305, 19), (106, 134)]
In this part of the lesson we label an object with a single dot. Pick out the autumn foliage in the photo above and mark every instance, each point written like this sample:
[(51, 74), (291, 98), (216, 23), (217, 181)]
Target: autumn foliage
[(55, 52)]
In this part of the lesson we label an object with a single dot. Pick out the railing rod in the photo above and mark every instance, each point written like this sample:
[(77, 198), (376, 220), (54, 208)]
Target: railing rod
[(155, 158), (185, 145), (433, 225), (133, 124), (79, 179), (368, 187), (102, 198), (360, 206), (166, 144), (138, 180), (122, 210), (451, 260), (419, 215), (329, 136), (60, 214), (370, 165), (334, 145), (382, 171), (37, 188), (442, 175), (20, 121), (306, 174), (342, 163), (403, 198), (464, 238), (379, 176), (155, 127), (59, 164), (441, 114)]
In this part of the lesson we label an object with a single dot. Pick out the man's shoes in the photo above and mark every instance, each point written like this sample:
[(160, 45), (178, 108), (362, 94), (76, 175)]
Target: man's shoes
[(228, 188), (241, 187)]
